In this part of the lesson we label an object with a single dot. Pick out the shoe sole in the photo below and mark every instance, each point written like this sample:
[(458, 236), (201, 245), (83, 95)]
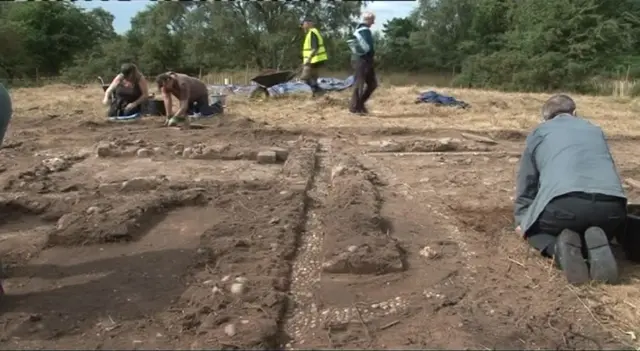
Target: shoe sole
[(602, 263), (569, 255)]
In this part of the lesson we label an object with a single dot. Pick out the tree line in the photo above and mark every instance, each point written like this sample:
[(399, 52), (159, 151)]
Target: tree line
[(533, 45)]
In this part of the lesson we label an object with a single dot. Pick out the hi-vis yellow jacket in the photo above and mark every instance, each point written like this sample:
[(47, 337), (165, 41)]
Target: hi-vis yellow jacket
[(321, 54)]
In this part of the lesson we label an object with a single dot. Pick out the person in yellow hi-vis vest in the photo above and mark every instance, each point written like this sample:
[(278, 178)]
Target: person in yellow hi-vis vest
[(314, 55)]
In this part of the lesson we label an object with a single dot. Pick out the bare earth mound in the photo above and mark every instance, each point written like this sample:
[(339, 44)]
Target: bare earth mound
[(356, 240)]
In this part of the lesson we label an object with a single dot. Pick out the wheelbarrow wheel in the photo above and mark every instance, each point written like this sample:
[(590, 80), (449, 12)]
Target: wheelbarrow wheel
[(259, 92)]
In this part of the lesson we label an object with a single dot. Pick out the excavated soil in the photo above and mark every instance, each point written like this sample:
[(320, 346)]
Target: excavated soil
[(135, 236)]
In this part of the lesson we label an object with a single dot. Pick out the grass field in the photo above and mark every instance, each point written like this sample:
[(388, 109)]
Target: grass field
[(387, 231)]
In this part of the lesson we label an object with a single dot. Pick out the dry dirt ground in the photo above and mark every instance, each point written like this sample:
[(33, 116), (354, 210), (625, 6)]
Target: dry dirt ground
[(388, 231)]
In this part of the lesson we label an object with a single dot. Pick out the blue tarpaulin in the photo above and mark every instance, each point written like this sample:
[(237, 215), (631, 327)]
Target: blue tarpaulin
[(326, 83), (125, 118), (433, 97)]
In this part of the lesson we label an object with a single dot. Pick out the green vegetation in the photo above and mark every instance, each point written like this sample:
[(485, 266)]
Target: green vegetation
[(534, 45)]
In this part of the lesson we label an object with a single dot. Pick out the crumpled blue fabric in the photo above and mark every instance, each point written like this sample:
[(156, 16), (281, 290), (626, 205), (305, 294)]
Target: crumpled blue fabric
[(432, 97), (125, 118), (325, 83)]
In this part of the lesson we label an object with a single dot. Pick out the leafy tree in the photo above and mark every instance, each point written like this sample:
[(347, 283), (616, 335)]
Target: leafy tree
[(506, 44)]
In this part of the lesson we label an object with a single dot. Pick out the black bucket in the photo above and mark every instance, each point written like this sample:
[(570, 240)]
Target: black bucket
[(629, 239), (154, 107)]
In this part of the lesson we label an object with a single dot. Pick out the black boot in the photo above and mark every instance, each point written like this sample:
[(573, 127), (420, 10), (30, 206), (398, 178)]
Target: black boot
[(602, 263), (568, 256)]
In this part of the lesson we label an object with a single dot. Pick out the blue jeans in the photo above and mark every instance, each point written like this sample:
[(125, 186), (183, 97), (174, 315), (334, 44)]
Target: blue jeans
[(6, 111)]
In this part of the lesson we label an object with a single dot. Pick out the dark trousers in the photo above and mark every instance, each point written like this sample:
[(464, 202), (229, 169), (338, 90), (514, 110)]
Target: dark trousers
[(201, 105), (118, 105), (365, 84), (577, 212), (310, 75)]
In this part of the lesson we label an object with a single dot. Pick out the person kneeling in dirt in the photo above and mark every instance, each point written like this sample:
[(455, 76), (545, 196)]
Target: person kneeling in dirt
[(569, 198), (192, 94), (128, 91)]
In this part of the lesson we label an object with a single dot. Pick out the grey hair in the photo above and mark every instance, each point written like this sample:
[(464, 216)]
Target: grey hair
[(556, 105)]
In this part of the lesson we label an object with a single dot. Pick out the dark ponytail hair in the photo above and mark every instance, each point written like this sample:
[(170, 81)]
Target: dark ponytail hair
[(129, 71)]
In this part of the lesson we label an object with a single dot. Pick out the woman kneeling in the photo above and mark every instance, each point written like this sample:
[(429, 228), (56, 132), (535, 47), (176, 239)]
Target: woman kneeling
[(127, 92)]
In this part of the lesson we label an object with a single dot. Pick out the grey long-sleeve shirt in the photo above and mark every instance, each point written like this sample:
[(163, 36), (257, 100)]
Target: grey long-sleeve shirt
[(565, 154)]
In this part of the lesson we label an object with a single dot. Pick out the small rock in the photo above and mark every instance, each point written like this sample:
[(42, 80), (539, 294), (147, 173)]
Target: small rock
[(352, 248), (391, 146), (513, 159), (225, 278), (266, 157), (244, 321), (140, 184), (215, 290), (337, 171), (109, 187), (241, 280), (93, 209), (281, 153), (178, 148), (428, 252), (55, 164), (479, 138), (157, 150), (144, 152), (104, 150), (274, 220), (66, 220), (237, 288), (230, 329), (187, 152)]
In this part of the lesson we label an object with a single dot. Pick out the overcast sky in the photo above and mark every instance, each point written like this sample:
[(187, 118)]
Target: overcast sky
[(125, 10)]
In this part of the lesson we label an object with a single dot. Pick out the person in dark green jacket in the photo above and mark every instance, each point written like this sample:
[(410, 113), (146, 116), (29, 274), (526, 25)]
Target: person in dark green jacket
[(5, 111), (362, 47)]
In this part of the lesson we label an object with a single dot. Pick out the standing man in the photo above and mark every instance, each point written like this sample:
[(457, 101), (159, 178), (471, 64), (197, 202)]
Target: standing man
[(314, 55), (569, 199), (362, 47)]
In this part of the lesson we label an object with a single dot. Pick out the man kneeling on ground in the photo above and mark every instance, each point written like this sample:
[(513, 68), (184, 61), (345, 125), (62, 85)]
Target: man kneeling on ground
[(569, 198), (191, 92)]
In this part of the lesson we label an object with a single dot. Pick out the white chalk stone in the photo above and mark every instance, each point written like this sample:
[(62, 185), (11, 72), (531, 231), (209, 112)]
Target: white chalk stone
[(267, 157)]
